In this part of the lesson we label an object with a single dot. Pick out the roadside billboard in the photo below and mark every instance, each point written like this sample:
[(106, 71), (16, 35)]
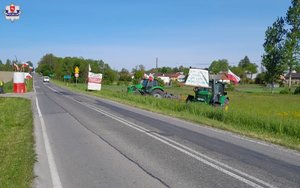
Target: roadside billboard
[(94, 81), (198, 78)]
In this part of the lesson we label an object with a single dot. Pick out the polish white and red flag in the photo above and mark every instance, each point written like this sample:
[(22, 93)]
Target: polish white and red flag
[(25, 65), (16, 67), (232, 77)]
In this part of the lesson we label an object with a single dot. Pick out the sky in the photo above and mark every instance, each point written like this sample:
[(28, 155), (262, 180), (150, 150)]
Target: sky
[(127, 33)]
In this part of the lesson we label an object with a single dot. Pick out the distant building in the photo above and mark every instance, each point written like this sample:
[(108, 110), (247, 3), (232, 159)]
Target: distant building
[(295, 78), (168, 78)]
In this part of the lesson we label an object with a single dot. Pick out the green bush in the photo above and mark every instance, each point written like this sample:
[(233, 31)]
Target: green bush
[(8, 87), (175, 83), (297, 91), (284, 91), (230, 87), (260, 78)]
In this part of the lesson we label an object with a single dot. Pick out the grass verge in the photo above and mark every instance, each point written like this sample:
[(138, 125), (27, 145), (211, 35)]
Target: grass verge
[(9, 87), (16, 143), (251, 115)]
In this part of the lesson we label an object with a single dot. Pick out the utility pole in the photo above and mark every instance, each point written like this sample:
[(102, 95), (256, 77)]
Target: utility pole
[(157, 64)]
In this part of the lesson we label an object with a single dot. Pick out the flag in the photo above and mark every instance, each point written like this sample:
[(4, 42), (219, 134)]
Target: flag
[(232, 77), (90, 68), (30, 68), (146, 76), (16, 67), (25, 64), (27, 76), (151, 77)]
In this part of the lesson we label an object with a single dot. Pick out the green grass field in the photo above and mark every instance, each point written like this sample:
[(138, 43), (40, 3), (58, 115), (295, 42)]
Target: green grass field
[(16, 143), (270, 117), (9, 87)]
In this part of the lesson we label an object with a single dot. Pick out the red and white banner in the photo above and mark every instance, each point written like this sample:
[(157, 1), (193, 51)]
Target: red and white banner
[(94, 82), (232, 77), (25, 65), (27, 76)]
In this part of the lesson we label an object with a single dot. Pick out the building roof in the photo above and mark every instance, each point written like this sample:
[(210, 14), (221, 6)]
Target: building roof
[(294, 76)]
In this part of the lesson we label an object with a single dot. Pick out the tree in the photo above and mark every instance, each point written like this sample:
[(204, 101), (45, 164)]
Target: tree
[(247, 66), (273, 59), (138, 73), (183, 69), (218, 66), (292, 48), (165, 70), (124, 75), (46, 64), (260, 78), (239, 71), (8, 66), (244, 63), (109, 76)]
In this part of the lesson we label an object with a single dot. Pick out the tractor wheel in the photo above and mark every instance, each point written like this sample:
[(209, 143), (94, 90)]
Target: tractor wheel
[(157, 93), (189, 99), (216, 105)]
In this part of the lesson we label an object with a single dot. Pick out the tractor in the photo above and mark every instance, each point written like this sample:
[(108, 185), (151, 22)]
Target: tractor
[(207, 91), (147, 87), (214, 95)]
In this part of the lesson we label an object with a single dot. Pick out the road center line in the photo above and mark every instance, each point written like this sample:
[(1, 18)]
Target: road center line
[(51, 88), (235, 173)]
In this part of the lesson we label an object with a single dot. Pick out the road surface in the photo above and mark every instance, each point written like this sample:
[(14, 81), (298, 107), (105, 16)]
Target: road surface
[(84, 141)]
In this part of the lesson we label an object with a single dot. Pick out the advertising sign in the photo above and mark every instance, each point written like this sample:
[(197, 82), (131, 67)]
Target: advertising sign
[(198, 78), (94, 82)]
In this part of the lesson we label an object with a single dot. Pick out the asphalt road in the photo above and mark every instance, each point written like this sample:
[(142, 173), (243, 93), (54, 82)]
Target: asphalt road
[(92, 142)]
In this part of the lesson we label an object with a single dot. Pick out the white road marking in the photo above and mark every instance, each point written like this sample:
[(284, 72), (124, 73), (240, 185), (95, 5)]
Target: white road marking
[(53, 170), (237, 174), (51, 88)]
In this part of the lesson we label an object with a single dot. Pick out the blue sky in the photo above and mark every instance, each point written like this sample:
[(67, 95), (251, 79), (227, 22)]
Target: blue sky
[(126, 33)]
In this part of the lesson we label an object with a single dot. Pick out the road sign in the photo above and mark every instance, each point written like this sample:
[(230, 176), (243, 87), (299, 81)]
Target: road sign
[(76, 70), (67, 77), (76, 75)]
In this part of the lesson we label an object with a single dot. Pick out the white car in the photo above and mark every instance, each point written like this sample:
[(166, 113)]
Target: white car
[(46, 79)]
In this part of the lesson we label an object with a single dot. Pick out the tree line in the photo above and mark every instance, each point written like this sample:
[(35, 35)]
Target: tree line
[(244, 68), (58, 67), (9, 65)]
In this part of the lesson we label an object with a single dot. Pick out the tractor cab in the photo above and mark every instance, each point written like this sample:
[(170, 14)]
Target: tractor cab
[(147, 87), (148, 84), (219, 96)]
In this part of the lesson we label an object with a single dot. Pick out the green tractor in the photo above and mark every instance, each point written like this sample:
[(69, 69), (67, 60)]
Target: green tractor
[(147, 87), (214, 95)]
